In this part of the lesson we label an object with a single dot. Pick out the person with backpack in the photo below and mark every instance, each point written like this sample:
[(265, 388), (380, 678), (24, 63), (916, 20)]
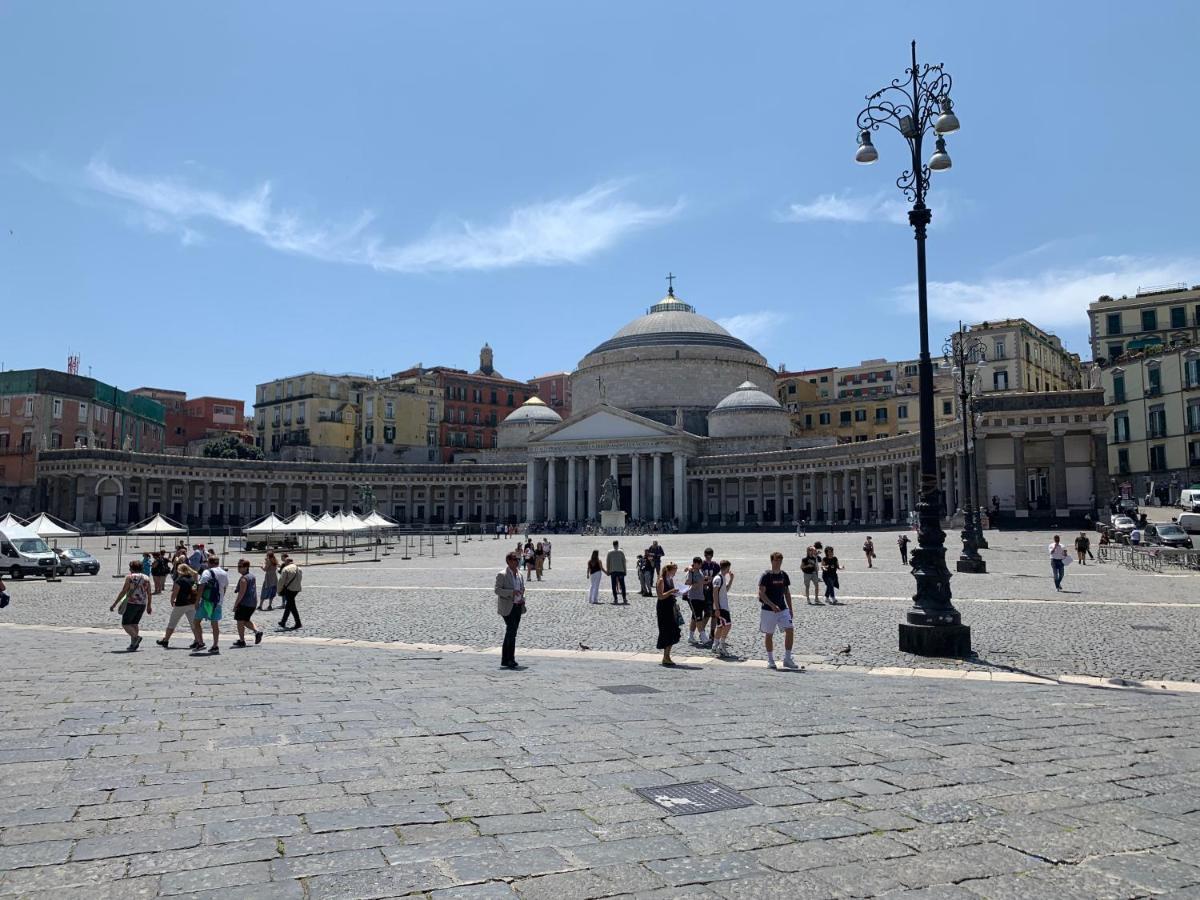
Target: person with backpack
[(184, 594), (246, 604), (290, 577), (214, 581)]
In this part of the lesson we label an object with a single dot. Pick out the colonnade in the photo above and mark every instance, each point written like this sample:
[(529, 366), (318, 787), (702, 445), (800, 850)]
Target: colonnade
[(567, 488)]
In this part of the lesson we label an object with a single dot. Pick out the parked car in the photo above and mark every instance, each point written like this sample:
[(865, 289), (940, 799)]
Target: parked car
[(1123, 525), (1167, 534), (76, 560), (1190, 522)]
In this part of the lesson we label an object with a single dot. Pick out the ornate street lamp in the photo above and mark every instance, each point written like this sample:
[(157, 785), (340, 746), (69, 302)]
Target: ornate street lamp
[(918, 105), (965, 352), (976, 421)]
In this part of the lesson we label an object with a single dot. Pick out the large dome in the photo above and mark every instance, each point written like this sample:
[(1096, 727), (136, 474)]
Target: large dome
[(669, 361), (672, 323)]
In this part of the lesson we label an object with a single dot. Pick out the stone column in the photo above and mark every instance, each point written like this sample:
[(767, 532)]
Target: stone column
[(741, 510), (778, 499), (551, 489), (591, 496), (721, 502), (910, 485), (429, 503), (571, 489), (530, 488), (612, 465), (635, 485), (863, 496), (1101, 483), (680, 490), (797, 510), (879, 493), (895, 473), (1058, 474), (812, 499), (846, 496), (827, 478), (657, 473), (1020, 485)]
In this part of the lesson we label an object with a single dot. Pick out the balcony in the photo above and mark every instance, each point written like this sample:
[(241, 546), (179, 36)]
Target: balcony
[(1156, 432), (1154, 391)]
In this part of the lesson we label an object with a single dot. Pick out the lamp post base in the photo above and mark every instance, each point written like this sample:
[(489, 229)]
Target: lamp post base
[(971, 566), (935, 640)]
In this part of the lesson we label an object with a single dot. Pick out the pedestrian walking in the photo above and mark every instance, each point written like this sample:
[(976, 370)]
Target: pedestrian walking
[(510, 603), (869, 551), (614, 565), (196, 559), (809, 567), (546, 546), (530, 562), (801, 528), (693, 580), (711, 568), (645, 570), (134, 598), (290, 578), (666, 612), (539, 559), (270, 586), (721, 584), (656, 554), (829, 574), (184, 594), (160, 568), (1083, 548), (775, 614), (1058, 562), (902, 543), (214, 581), (246, 604), (595, 572)]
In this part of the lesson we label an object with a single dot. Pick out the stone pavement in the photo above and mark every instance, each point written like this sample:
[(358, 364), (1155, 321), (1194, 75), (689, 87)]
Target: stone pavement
[(1110, 622), (321, 770)]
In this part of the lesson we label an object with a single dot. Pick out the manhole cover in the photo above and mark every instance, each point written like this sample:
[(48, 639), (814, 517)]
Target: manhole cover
[(693, 797), (631, 689), (1150, 627)]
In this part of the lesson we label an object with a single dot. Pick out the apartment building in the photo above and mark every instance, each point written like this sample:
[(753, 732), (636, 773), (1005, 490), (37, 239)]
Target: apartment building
[(1022, 357), (555, 391), (1153, 401), (1165, 316), (191, 422)]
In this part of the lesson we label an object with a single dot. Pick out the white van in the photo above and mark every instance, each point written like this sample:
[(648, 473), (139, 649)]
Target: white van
[(1189, 501), (1190, 522), (23, 553)]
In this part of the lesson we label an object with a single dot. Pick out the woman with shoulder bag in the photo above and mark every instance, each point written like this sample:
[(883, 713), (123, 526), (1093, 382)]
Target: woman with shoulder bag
[(134, 599), (670, 619), (184, 594)]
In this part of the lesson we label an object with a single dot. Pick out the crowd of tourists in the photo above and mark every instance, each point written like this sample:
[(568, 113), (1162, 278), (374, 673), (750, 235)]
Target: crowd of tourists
[(199, 584)]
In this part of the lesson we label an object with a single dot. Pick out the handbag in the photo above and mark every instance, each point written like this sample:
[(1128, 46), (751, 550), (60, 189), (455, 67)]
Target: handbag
[(678, 616)]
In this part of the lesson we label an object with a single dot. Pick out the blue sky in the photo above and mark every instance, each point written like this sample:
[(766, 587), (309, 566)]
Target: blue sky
[(205, 196)]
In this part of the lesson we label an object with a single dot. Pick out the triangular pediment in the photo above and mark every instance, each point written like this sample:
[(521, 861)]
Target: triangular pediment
[(604, 422)]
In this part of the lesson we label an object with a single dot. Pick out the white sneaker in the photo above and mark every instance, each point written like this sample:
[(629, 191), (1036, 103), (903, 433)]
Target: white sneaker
[(789, 663), (771, 664)]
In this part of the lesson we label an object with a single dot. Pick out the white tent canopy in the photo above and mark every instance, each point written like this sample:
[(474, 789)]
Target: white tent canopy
[(159, 524), (47, 527), (271, 524), (11, 528), (339, 524), (375, 520), (301, 523), (11, 521)]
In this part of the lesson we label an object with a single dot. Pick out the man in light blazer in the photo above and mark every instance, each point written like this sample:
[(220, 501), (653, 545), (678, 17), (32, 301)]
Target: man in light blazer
[(510, 603)]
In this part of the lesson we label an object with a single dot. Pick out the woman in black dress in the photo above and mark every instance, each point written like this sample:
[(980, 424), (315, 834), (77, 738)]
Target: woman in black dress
[(668, 625)]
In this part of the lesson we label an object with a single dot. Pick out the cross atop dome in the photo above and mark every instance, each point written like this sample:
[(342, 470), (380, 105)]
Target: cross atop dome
[(671, 303)]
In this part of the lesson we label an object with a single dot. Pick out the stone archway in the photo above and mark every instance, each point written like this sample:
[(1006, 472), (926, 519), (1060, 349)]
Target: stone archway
[(109, 492)]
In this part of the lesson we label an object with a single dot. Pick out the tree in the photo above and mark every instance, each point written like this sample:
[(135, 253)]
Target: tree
[(231, 447)]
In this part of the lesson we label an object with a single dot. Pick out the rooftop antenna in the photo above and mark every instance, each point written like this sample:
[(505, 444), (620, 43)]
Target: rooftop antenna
[(72, 363)]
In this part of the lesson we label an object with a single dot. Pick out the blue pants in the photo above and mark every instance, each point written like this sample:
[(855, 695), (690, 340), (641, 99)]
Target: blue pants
[(1058, 567)]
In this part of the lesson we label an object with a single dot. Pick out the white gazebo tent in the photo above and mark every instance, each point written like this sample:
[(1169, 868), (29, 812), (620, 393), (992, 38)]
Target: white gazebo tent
[(51, 529), (157, 526), (11, 521), (269, 524)]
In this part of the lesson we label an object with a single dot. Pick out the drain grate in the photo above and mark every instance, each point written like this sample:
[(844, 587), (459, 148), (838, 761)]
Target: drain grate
[(630, 689), (693, 797), (1150, 627)]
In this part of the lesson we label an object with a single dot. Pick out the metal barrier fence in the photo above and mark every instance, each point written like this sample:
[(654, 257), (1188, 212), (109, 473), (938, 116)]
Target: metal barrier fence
[(1148, 559)]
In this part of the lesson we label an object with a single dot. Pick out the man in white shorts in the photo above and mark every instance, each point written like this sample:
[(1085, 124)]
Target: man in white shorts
[(775, 598)]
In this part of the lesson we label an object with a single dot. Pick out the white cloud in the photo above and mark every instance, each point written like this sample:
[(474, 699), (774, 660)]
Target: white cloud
[(753, 327), (563, 230), (847, 207), (1053, 298)]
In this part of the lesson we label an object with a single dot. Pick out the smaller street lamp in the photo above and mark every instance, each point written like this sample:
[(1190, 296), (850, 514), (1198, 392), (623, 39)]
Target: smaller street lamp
[(967, 354)]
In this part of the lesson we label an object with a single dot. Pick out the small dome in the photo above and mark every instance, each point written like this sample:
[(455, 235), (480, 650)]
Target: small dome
[(748, 396), (531, 411)]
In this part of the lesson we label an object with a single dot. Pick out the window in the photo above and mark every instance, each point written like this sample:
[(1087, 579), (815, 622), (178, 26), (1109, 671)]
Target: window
[(844, 417), (56, 407), (824, 379), (881, 414), (1115, 350), (26, 440), (1178, 317), (808, 420), (462, 416), (510, 398), (860, 415), (369, 434), (1153, 381), (902, 411), (333, 390), (1000, 350), (1158, 458), (389, 409), (29, 407), (1123, 461), (300, 407), (1156, 421), (4, 440), (6, 406), (1149, 320), (287, 415), (791, 389), (910, 370), (947, 408), (493, 398), (1191, 371), (824, 418), (1000, 380), (370, 407), (1028, 353), (289, 390), (55, 440), (479, 439), (1113, 323), (475, 417), (1118, 388), (1193, 416), (389, 434), (278, 391)]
